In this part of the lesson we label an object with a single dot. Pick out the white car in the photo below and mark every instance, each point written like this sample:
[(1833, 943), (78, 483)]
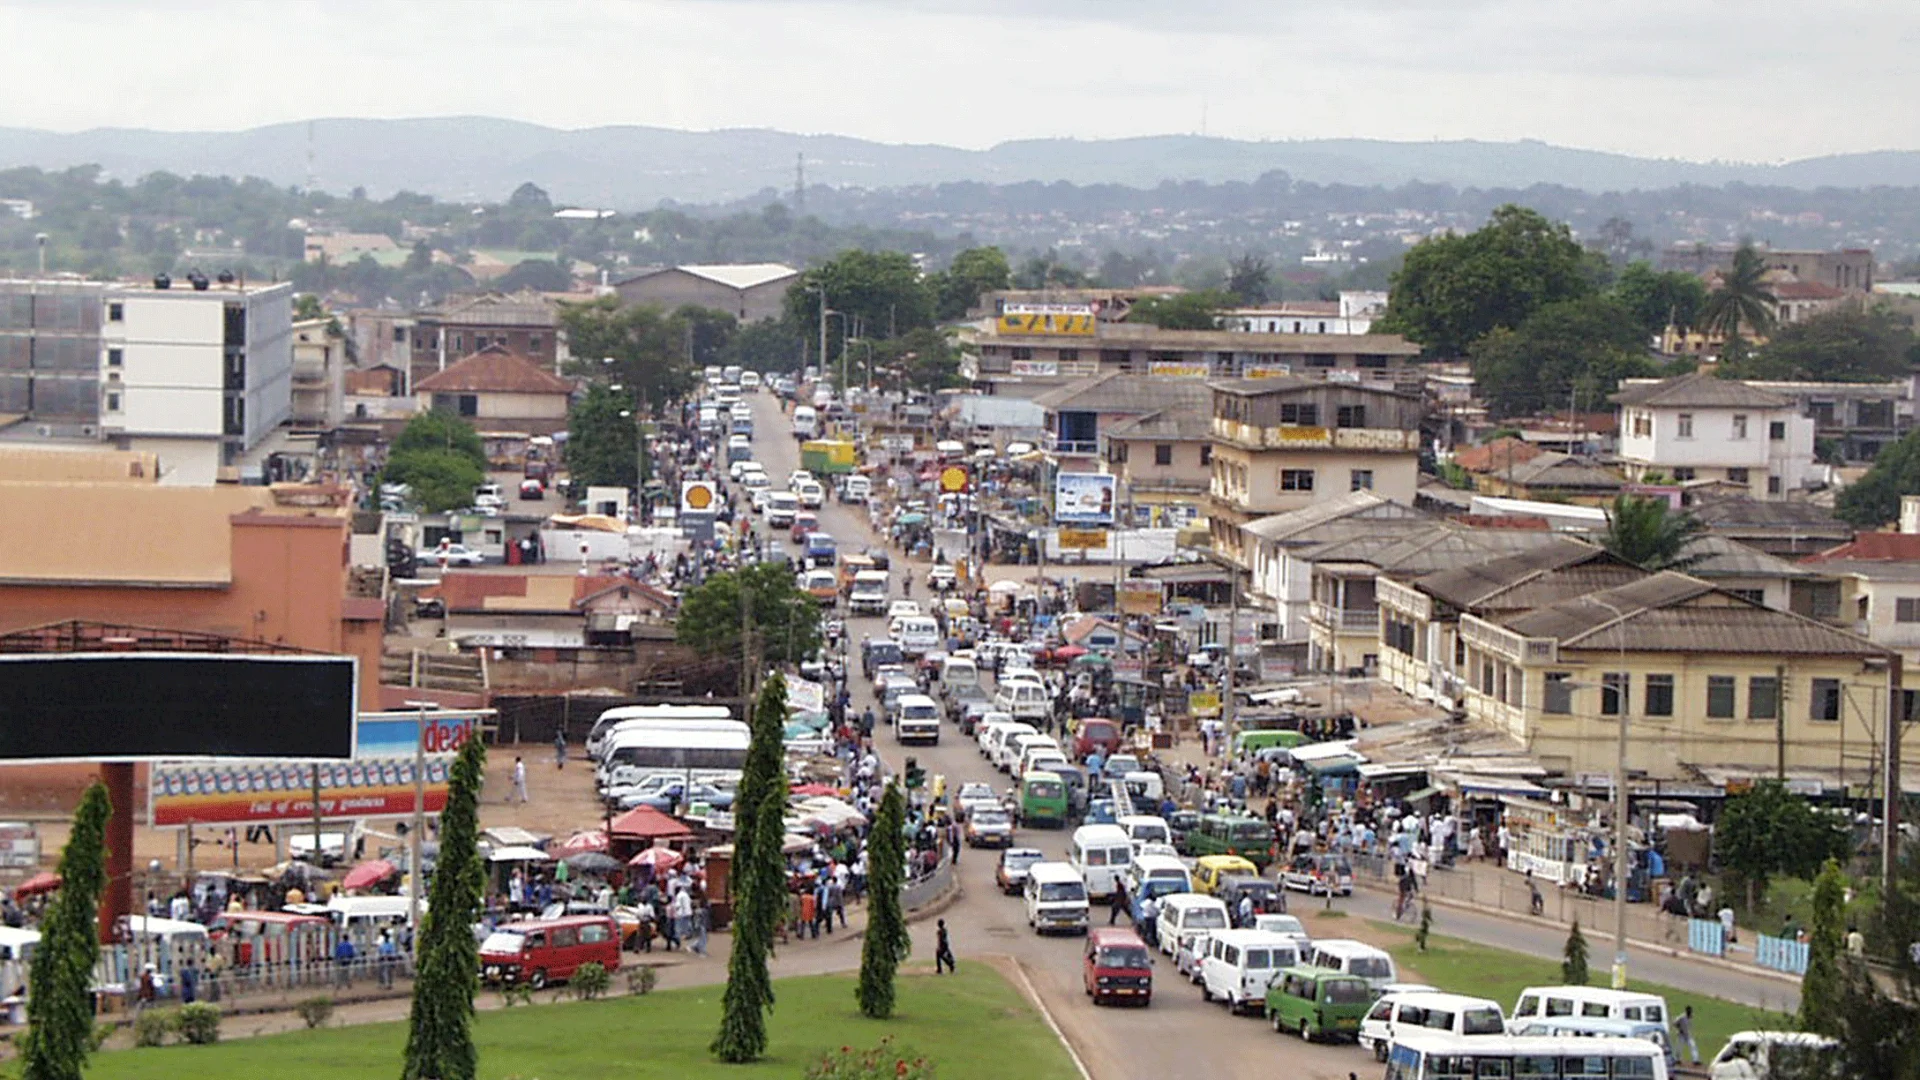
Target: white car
[(739, 469), (452, 555), (757, 497), (904, 609), (798, 477), (489, 499), (755, 483), (941, 577), (812, 495), (749, 381)]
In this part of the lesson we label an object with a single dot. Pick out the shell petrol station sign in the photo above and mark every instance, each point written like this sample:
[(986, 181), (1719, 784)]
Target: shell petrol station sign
[(954, 479), (698, 497)]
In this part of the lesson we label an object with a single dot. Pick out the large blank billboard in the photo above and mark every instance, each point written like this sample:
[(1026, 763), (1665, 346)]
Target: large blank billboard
[(139, 706)]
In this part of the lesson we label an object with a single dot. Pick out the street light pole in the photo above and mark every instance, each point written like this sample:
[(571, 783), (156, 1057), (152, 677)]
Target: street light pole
[(416, 874), (1620, 853)]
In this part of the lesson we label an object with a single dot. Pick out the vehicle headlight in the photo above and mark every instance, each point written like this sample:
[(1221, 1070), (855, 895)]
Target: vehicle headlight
[(1103, 980)]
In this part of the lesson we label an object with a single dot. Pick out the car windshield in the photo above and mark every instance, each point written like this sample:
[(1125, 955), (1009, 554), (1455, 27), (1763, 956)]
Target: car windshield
[(1371, 967), (1482, 1021), (990, 817), (1063, 890), (1250, 830), (1346, 992), (1020, 860), (1281, 924), (1161, 886), (1128, 956), (1207, 918), (1045, 789), (504, 942)]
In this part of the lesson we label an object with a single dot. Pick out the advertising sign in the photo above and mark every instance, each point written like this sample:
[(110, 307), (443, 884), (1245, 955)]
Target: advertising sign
[(379, 782), (1068, 319), (953, 479), (1139, 598), (697, 497), (19, 845), (1085, 499), (1268, 371), (806, 696), (1203, 703), (1181, 368), (1082, 539), (1039, 369)]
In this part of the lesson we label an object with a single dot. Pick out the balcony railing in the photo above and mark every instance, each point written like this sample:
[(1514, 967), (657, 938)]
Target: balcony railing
[(1075, 447), (1345, 620)]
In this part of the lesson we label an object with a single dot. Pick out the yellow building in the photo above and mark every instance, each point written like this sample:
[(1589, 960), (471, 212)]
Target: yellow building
[(1713, 687)]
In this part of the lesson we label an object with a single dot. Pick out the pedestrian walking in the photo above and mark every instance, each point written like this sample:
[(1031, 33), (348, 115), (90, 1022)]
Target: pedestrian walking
[(519, 780), (682, 916), (1117, 902), (1683, 1035), (389, 955), (702, 919), (343, 955), (560, 749), (1150, 921), (943, 951), (189, 983)]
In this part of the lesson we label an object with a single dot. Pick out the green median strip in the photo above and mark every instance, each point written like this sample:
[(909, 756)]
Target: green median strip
[(969, 1025)]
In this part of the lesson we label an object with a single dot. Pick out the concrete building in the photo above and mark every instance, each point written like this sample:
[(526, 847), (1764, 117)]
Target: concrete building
[(749, 292), (1847, 269), (1284, 443), (319, 375), (1699, 427), (994, 356), (525, 323), (1278, 551), (498, 391), (1164, 460), (1353, 313), (197, 374), (1879, 575), (1861, 419), (1079, 415)]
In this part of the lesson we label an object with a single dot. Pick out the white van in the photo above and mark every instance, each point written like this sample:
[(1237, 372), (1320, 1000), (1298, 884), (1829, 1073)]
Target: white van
[(918, 635), (363, 917), (1168, 869), (855, 489), (1396, 1014), (806, 422), (993, 739), (781, 507), (1044, 746), (1101, 854), (868, 596), (1056, 898), (917, 720), (1013, 748), (1752, 1055), (1238, 965), (956, 672), (1025, 700), (1592, 1002), (1185, 916), (1351, 957), (1146, 828)]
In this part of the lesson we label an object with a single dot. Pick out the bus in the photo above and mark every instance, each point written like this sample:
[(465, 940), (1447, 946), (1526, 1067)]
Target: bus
[(1424, 1055), (654, 713), (714, 755), (1251, 838)]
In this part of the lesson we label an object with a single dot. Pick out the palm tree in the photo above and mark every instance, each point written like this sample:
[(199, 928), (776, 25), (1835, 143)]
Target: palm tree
[(1646, 533), (1742, 300)]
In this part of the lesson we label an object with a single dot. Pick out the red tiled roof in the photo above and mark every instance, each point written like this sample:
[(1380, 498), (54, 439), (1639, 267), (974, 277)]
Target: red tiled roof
[(646, 823), (1496, 455), (494, 370), (468, 591), (1876, 547), (1804, 290)]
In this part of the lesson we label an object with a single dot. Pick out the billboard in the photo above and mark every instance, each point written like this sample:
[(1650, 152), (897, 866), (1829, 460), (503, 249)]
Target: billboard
[(1074, 320), (1180, 368), (1082, 539), (697, 497), (141, 706), (1084, 499), (1139, 597), (1039, 369), (378, 782)]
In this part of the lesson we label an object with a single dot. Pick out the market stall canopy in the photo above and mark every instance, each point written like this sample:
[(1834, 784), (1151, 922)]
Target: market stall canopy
[(368, 874), (518, 854), (592, 862), (594, 522), (647, 823), (1488, 786), (45, 881), (1329, 758), (512, 836), (661, 859), (812, 789), (829, 811), (590, 840), (1007, 587)]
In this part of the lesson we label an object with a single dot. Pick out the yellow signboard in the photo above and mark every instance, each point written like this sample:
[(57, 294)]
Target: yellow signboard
[(1203, 703), (1139, 598), (1297, 434), (1082, 539), (953, 479), (1179, 368), (1074, 320)]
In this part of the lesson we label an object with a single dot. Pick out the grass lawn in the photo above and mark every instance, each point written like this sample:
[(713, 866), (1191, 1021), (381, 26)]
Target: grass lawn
[(970, 1025), (1465, 968)]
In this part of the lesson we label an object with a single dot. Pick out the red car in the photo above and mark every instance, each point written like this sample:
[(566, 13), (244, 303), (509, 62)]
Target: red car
[(541, 951), (1095, 734), (804, 523)]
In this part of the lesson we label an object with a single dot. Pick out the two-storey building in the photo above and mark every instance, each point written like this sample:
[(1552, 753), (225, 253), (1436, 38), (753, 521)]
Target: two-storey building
[(1879, 589), (1283, 443), (1080, 414), (1164, 460), (1699, 427)]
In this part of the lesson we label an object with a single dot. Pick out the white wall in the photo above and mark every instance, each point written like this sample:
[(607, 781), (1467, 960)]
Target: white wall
[(183, 462), (1715, 445)]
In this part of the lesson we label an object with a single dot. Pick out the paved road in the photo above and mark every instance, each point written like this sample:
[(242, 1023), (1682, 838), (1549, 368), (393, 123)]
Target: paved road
[(1178, 1035)]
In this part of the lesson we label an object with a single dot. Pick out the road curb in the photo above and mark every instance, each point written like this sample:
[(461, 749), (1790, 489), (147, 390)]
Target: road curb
[(939, 904), (1033, 995)]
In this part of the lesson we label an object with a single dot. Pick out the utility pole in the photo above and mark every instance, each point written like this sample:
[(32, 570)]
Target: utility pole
[(1229, 715), (822, 290), (1890, 784)]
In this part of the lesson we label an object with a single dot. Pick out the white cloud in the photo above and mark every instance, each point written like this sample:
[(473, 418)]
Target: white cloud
[(1759, 80)]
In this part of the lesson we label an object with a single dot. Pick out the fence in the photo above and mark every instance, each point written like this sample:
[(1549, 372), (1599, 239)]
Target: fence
[(1483, 886), (1780, 954), (249, 964), (923, 890), (1707, 936)]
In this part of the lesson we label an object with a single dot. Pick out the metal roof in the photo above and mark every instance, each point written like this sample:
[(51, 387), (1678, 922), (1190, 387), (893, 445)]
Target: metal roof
[(1700, 390), (732, 275), (1471, 587), (1723, 557), (1295, 524), (1120, 393), (1170, 425), (1671, 612)]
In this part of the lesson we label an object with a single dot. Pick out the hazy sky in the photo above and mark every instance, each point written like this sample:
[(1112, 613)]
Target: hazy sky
[(1753, 80)]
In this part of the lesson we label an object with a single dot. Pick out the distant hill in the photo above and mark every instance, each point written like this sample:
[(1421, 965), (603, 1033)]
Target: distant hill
[(631, 168)]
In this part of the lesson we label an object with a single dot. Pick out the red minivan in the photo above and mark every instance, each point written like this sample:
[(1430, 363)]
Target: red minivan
[(1095, 734), (1117, 966), (542, 951)]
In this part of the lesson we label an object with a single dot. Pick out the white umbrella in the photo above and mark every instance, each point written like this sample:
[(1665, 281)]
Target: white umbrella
[(518, 854), (1006, 587)]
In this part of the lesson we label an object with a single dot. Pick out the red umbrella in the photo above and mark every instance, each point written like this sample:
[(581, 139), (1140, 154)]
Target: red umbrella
[(813, 789), (581, 842), (1068, 652), (44, 882), (661, 859), (646, 824), (368, 874)]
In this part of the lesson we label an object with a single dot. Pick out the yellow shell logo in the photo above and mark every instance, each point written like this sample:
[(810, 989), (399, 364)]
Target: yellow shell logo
[(953, 478), (699, 497)]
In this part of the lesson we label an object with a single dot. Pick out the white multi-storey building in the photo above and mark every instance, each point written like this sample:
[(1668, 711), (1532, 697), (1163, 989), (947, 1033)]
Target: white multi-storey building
[(1700, 427)]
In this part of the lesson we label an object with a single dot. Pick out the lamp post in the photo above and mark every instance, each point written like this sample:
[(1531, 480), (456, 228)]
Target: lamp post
[(869, 348), (416, 874), (1620, 854), (826, 314)]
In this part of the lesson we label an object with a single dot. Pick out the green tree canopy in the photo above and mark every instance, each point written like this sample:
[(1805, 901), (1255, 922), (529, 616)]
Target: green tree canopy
[(759, 880), (1250, 279), (1846, 344), (1767, 831), (768, 345), (600, 440), (58, 1038), (1047, 271), (438, 429), (1874, 499), (925, 360), (785, 621), (1648, 534), (1453, 290), (440, 456), (1566, 352), (879, 293), (1742, 301), (886, 941), (973, 273), (1820, 986), (540, 275), (1182, 311), (439, 1026), (1657, 299), (649, 348)]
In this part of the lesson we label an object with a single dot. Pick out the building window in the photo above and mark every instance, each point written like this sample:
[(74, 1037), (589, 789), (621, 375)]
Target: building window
[(1296, 479), (399, 335), (1616, 687), (1754, 596), (1824, 704), (1763, 698), (1686, 425), (1739, 425), (1659, 695), (1720, 692), (1021, 352), (1163, 454), (1206, 454), (1354, 416), (1558, 699), (116, 313), (1738, 476), (1360, 480), (1305, 415), (1683, 473), (1773, 485), (1906, 609), (533, 343), (1643, 425), (116, 357), (113, 401), (1777, 430)]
